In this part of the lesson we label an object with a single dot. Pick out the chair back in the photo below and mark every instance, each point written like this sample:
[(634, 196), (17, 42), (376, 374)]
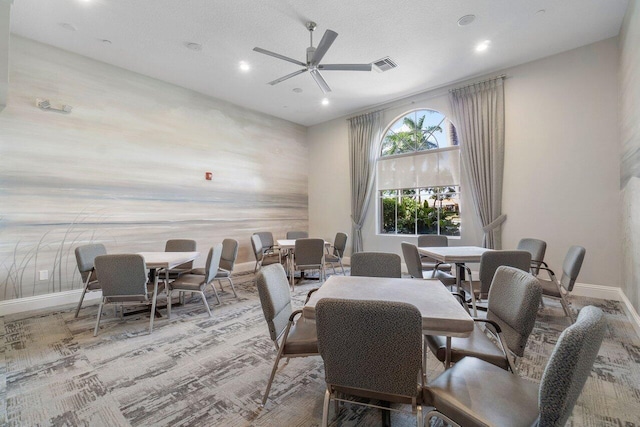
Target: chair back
[(181, 245), (229, 254), (123, 276), (85, 256), (432, 240), (491, 260), (213, 262), (340, 244), (536, 248), (514, 298), (569, 367), (275, 298), (571, 266), (370, 345), (309, 252), (293, 235), (256, 244), (412, 260), (266, 237), (376, 264)]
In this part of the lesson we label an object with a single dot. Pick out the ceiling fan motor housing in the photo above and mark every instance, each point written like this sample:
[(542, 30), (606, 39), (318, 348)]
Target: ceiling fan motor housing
[(310, 52)]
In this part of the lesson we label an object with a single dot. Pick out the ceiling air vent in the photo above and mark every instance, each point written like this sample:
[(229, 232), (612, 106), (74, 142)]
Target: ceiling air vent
[(384, 64)]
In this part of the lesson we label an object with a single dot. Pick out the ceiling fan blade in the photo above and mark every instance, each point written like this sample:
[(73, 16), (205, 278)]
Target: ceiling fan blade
[(321, 82), (327, 40), (277, 55), (288, 76), (346, 67)]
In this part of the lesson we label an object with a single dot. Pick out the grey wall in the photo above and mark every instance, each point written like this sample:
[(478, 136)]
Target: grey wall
[(561, 163), (127, 167), (630, 137)]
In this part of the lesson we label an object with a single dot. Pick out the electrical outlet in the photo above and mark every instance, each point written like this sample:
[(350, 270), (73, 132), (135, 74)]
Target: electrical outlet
[(44, 274)]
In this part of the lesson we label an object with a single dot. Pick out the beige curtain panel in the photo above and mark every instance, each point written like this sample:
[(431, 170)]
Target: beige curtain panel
[(364, 147), (478, 113)]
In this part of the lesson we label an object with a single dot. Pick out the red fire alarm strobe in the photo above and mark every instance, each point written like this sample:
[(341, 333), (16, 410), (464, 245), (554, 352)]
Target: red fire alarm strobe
[(208, 176)]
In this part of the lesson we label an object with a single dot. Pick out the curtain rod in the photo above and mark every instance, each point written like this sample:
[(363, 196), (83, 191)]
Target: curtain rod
[(431, 93), (501, 76)]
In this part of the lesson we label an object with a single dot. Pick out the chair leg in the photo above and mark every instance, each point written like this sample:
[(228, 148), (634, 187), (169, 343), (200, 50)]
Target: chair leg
[(169, 292), (153, 304), (565, 307), (215, 292), (342, 266), (325, 408), (95, 330), (419, 420), (233, 288), (206, 305), (84, 291), (273, 374)]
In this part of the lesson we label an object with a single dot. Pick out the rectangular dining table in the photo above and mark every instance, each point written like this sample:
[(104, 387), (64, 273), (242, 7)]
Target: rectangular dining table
[(441, 313), (167, 260), (458, 255), (289, 245)]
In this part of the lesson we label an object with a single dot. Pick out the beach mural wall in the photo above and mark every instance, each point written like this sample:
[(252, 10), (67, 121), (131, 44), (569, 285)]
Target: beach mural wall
[(126, 168), (629, 83)]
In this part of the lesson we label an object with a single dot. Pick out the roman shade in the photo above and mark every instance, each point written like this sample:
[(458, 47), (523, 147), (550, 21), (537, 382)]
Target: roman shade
[(431, 168)]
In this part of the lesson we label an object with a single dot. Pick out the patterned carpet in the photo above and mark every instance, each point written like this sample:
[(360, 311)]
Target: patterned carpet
[(200, 371)]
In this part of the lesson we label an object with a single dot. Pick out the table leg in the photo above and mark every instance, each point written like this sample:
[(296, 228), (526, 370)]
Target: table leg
[(447, 357), (153, 302)]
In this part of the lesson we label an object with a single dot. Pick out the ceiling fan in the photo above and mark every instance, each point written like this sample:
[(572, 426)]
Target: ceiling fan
[(314, 56)]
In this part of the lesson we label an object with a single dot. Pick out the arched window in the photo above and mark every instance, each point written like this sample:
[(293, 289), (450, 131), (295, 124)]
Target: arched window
[(419, 176)]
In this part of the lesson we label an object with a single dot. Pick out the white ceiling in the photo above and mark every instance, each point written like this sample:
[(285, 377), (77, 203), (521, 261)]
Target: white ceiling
[(421, 36)]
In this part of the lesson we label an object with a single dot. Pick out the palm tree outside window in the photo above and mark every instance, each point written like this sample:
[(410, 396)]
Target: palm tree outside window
[(418, 176)]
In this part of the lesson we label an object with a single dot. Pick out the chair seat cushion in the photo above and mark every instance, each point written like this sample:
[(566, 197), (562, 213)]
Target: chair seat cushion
[(302, 338), (549, 288), (270, 259), (437, 274), (93, 286), (331, 258), (201, 271), (477, 345), (222, 273), (188, 282), (476, 393), (430, 265)]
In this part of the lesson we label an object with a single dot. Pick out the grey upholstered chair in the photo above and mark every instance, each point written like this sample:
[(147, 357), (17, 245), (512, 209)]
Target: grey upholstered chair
[(268, 244), (196, 282), (309, 254), (297, 335), (337, 252), (263, 257), (371, 349), (570, 269), (293, 235), (227, 262), (85, 256), (475, 393), (489, 263), (536, 248), (514, 298), (414, 266), (433, 240), (180, 245), (123, 279), (376, 264)]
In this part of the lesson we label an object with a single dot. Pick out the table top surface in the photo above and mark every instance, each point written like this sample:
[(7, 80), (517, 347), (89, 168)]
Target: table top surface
[(291, 243), (167, 259), (441, 313), (459, 254)]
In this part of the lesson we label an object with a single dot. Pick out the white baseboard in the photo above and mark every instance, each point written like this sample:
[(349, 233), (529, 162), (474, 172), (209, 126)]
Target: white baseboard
[(39, 302)]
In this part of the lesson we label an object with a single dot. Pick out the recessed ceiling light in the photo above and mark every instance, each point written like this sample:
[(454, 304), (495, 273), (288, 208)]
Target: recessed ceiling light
[(244, 66), (481, 47), (325, 101), (193, 46), (67, 26), (297, 90), (466, 20)]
